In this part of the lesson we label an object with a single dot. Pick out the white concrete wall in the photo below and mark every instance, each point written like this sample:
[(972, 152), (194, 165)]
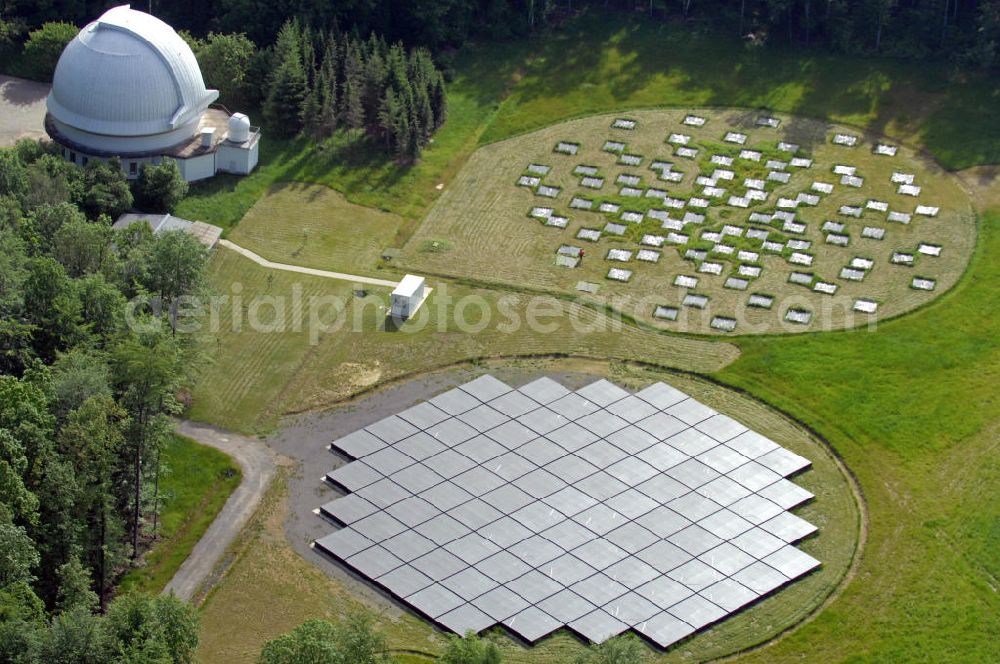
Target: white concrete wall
[(197, 168), (232, 159)]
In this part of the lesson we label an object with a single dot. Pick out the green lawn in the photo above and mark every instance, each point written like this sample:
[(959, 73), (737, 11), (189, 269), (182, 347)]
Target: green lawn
[(196, 485)]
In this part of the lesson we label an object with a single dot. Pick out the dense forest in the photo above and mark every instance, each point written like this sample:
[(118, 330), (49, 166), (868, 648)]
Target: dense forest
[(89, 372), (966, 31)]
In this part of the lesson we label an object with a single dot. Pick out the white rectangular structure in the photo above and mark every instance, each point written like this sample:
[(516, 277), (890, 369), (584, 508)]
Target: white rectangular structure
[(407, 296)]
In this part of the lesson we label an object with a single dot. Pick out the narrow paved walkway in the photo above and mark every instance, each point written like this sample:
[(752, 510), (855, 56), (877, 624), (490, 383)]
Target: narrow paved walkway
[(306, 270), (257, 463)]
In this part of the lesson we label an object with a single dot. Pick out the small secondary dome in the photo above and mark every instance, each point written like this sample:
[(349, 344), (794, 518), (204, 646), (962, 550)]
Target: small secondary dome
[(239, 128), (128, 74)]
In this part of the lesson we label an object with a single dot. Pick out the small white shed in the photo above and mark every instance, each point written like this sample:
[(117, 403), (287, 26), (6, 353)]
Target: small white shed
[(407, 296)]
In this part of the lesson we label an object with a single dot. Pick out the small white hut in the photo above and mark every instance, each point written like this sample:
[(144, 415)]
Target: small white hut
[(407, 296)]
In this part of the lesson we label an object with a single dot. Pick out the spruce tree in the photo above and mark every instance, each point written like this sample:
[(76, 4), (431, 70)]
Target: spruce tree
[(283, 107)]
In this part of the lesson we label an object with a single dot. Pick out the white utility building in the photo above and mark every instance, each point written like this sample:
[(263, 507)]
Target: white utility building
[(129, 86), (407, 297)]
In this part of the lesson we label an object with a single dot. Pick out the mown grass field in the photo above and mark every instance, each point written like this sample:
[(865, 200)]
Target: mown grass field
[(483, 220), (196, 485), (911, 407), (294, 588)]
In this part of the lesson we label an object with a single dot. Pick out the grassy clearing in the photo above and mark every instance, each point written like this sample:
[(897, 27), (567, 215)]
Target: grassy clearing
[(271, 583), (483, 218), (197, 484), (258, 374), (317, 227), (913, 412)]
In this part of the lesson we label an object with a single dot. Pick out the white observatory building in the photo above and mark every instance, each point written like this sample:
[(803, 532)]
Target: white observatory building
[(128, 86)]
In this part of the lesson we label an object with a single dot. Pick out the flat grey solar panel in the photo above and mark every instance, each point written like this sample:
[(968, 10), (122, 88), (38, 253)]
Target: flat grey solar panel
[(473, 547), (632, 503), (500, 603), (663, 521), (602, 423), (661, 395), (446, 495), (665, 629), (348, 509), (409, 545), (486, 388), (534, 586), (600, 553), (419, 446), (664, 556), (475, 514), (729, 594), (353, 476), (344, 543), (602, 392), (387, 461), (694, 539), (751, 444), (632, 409), (392, 429), (359, 444), (721, 427), (570, 500), (473, 518), (541, 451), (571, 437), (692, 442), (632, 572), (532, 624), (791, 562), (442, 529), (632, 609), (469, 584), (598, 626), (505, 532), (512, 434), (374, 562), (455, 402), (691, 411), (404, 581), (695, 574), (424, 415), (537, 550), (451, 432), (785, 494), (760, 578), (788, 527), (483, 418), (509, 466), (539, 483), (573, 406), (480, 449), (632, 440), (697, 611), (464, 618), (416, 478), (757, 543), (783, 461), (503, 566), (544, 390), (508, 498), (661, 425), (450, 463), (542, 420), (514, 403), (435, 600), (566, 606), (412, 511), (383, 493), (727, 559)]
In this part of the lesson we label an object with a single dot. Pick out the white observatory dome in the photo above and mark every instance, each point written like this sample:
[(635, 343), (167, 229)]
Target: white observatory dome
[(239, 128), (128, 74)]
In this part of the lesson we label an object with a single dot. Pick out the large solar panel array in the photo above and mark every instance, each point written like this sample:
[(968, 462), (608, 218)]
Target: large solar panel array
[(540, 508)]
